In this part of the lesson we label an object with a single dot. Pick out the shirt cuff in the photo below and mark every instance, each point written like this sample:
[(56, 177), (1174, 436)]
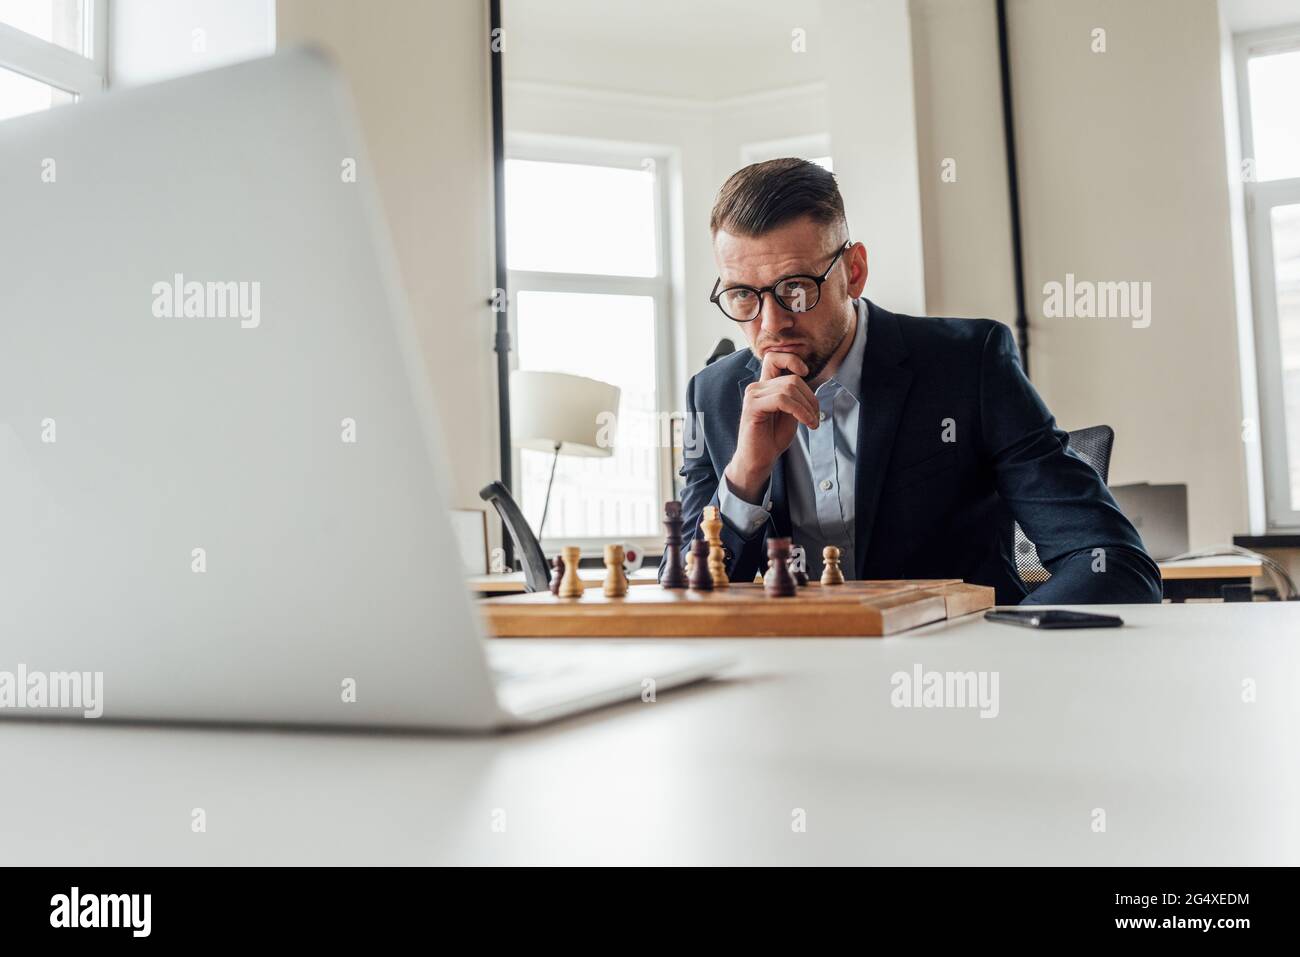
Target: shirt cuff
[(745, 518)]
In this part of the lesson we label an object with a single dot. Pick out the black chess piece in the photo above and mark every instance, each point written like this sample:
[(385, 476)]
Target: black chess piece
[(674, 575), (778, 582), (701, 577), (558, 575)]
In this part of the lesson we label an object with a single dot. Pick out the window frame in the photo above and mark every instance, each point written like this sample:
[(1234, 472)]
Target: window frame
[(56, 66), (1281, 515), (659, 288)]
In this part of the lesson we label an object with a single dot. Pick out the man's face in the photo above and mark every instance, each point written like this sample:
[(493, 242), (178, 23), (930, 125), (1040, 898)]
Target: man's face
[(801, 247)]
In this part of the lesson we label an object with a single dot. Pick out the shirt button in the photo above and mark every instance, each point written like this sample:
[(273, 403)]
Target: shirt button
[(827, 485), (821, 416)]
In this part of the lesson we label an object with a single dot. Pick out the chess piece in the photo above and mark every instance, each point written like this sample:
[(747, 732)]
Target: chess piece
[(615, 579), (712, 526), (700, 578), (674, 575), (798, 565), (831, 573), (571, 585), (556, 576), (778, 583), (497, 561)]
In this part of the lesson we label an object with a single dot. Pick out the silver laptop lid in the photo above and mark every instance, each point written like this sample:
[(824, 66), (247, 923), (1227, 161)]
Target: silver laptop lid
[(219, 458)]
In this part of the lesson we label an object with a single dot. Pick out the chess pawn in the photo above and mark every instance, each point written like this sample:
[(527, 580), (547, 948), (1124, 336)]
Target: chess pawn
[(701, 579), (778, 583), (831, 573), (615, 579), (674, 575), (570, 585), (798, 565), (712, 527), (558, 564)]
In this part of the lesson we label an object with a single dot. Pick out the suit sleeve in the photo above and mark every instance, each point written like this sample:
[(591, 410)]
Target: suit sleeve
[(1093, 552), (701, 475)]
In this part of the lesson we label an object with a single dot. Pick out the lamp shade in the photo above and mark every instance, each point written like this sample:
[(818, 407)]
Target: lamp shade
[(551, 408)]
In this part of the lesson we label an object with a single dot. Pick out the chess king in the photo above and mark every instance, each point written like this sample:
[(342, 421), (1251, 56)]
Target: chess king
[(909, 443)]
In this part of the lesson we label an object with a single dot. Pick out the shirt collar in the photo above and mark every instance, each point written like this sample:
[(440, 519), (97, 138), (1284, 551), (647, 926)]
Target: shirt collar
[(849, 374)]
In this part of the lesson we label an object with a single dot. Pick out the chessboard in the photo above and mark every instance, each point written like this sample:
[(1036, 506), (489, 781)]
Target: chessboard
[(865, 609)]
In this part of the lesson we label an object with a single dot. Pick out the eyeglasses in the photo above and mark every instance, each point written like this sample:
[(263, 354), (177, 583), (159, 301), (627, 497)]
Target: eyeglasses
[(793, 293)]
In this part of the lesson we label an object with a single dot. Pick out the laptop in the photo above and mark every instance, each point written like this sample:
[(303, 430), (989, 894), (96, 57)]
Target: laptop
[(221, 471), (1159, 513)]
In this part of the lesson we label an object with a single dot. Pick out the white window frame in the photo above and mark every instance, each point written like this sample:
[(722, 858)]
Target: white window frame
[(58, 66), (555, 149), (1260, 200)]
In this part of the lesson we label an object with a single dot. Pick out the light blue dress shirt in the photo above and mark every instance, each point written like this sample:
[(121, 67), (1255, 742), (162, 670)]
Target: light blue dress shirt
[(820, 468)]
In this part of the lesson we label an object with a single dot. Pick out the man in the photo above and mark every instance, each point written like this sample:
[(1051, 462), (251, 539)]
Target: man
[(909, 443)]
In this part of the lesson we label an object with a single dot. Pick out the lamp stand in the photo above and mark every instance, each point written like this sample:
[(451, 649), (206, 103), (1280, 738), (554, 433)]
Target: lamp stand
[(547, 507)]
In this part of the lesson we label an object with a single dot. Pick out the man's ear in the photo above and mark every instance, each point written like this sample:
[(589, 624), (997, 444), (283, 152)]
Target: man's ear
[(856, 257)]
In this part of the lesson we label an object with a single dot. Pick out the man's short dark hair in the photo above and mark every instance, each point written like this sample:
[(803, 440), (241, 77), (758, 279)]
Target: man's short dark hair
[(765, 196)]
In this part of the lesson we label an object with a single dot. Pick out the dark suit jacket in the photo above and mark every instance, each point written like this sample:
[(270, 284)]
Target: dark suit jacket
[(929, 508)]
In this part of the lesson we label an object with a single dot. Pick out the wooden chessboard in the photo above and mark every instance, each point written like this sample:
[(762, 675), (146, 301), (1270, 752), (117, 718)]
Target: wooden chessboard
[(864, 609)]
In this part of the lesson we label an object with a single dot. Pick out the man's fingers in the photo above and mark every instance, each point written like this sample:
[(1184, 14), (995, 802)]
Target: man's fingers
[(779, 401), (794, 387), (780, 363)]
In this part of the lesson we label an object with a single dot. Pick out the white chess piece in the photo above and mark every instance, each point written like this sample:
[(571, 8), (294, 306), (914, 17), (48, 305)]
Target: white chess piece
[(798, 560), (497, 561)]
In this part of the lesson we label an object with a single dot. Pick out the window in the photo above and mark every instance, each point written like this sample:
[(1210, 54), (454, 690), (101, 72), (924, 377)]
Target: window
[(585, 241), (1268, 78), (51, 53)]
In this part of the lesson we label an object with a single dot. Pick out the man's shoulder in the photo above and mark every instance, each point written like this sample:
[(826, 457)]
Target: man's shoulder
[(723, 373), (942, 334)]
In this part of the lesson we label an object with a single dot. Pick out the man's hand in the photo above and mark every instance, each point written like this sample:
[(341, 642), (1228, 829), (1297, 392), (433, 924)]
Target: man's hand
[(773, 408)]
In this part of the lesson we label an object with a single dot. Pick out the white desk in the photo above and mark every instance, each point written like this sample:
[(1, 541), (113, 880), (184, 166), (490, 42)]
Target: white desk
[(1146, 722)]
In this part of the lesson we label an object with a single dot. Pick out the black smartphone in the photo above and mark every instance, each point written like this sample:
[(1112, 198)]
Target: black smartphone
[(1053, 619)]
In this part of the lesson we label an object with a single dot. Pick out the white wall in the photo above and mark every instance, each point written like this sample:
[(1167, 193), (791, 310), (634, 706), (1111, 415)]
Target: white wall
[(419, 75), (152, 40), (1122, 172)]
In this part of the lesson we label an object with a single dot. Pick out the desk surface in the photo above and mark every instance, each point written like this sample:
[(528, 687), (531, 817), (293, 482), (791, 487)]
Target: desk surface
[(1145, 722)]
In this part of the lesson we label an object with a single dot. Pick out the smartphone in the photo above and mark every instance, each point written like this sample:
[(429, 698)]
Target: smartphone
[(1053, 619)]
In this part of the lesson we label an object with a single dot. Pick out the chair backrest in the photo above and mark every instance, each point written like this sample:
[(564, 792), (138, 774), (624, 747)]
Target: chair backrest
[(531, 556), (1093, 445)]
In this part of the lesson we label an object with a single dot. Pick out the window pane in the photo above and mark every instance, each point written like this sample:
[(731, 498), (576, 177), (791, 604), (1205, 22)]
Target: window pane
[(566, 217), (55, 21), (1286, 273), (610, 338), (1274, 115), (21, 94)]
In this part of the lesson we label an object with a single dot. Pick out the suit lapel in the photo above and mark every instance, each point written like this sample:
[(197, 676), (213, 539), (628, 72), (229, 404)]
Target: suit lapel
[(885, 384)]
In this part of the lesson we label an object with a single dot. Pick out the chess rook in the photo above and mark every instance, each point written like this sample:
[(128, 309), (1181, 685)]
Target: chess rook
[(674, 575), (571, 584), (615, 579), (778, 583)]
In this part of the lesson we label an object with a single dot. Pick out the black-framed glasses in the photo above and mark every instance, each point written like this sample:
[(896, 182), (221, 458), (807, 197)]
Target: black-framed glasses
[(794, 293)]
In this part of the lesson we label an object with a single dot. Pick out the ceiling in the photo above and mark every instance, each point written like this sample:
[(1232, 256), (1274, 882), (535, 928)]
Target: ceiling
[(696, 49)]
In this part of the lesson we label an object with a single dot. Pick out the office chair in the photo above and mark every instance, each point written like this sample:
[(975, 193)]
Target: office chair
[(1093, 445), (529, 550)]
